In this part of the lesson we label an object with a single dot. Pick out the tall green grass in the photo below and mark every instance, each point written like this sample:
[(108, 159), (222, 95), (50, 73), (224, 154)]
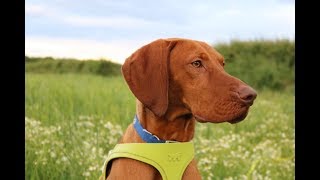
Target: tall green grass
[(73, 120), (55, 98)]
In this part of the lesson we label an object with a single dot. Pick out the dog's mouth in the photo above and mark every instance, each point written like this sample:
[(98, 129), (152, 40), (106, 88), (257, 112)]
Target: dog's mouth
[(239, 118), (232, 120), (200, 119)]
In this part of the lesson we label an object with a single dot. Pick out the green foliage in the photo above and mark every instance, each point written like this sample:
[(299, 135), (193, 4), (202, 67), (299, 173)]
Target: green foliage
[(51, 65), (55, 98), (262, 64), (73, 120)]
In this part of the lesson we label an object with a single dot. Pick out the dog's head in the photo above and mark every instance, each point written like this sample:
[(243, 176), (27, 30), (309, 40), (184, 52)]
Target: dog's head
[(189, 73)]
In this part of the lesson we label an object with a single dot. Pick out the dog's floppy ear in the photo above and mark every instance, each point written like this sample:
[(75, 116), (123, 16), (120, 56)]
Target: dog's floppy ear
[(146, 73)]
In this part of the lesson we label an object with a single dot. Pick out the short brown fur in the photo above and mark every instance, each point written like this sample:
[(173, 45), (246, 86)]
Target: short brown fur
[(173, 92)]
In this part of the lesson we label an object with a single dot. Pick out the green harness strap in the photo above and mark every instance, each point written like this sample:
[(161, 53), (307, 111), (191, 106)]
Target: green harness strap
[(170, 159)]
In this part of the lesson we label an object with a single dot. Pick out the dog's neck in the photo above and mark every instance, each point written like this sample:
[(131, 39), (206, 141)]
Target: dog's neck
[(177, 124)]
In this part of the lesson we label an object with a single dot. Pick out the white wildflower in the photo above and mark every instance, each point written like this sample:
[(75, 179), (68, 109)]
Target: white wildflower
[(64, 159), (86, 174), (53, 155)]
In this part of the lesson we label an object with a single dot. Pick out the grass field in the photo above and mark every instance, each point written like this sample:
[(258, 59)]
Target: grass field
[(73, 120)]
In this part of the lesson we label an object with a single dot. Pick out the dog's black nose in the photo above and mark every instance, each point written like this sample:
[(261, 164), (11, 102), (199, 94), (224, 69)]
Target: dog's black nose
[(247, 94)]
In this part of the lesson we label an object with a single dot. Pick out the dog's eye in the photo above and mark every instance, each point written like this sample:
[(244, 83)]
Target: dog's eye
[(196, 63)]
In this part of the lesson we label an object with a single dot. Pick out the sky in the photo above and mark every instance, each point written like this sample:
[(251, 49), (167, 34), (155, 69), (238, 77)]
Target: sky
[(114, 29)]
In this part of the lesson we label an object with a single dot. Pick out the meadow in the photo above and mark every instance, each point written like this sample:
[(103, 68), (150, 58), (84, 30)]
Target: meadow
[(73, 120)]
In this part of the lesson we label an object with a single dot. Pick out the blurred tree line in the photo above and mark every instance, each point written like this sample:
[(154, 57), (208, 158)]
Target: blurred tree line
[(260, 63), (51, 65)]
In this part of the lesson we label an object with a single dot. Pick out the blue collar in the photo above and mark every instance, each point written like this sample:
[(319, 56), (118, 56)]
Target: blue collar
[(145, 134)]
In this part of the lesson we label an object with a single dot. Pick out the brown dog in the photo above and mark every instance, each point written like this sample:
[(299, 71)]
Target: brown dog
[(178, 82)]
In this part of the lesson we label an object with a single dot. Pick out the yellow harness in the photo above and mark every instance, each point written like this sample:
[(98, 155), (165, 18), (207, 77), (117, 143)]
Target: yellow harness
[(170, 159)]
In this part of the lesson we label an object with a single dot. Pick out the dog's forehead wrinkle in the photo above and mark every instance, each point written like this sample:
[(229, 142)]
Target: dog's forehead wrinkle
[(195, 52), (209, 53), (197, 46)]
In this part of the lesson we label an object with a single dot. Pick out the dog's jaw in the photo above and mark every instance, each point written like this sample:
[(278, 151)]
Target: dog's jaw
[(232, 119)]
